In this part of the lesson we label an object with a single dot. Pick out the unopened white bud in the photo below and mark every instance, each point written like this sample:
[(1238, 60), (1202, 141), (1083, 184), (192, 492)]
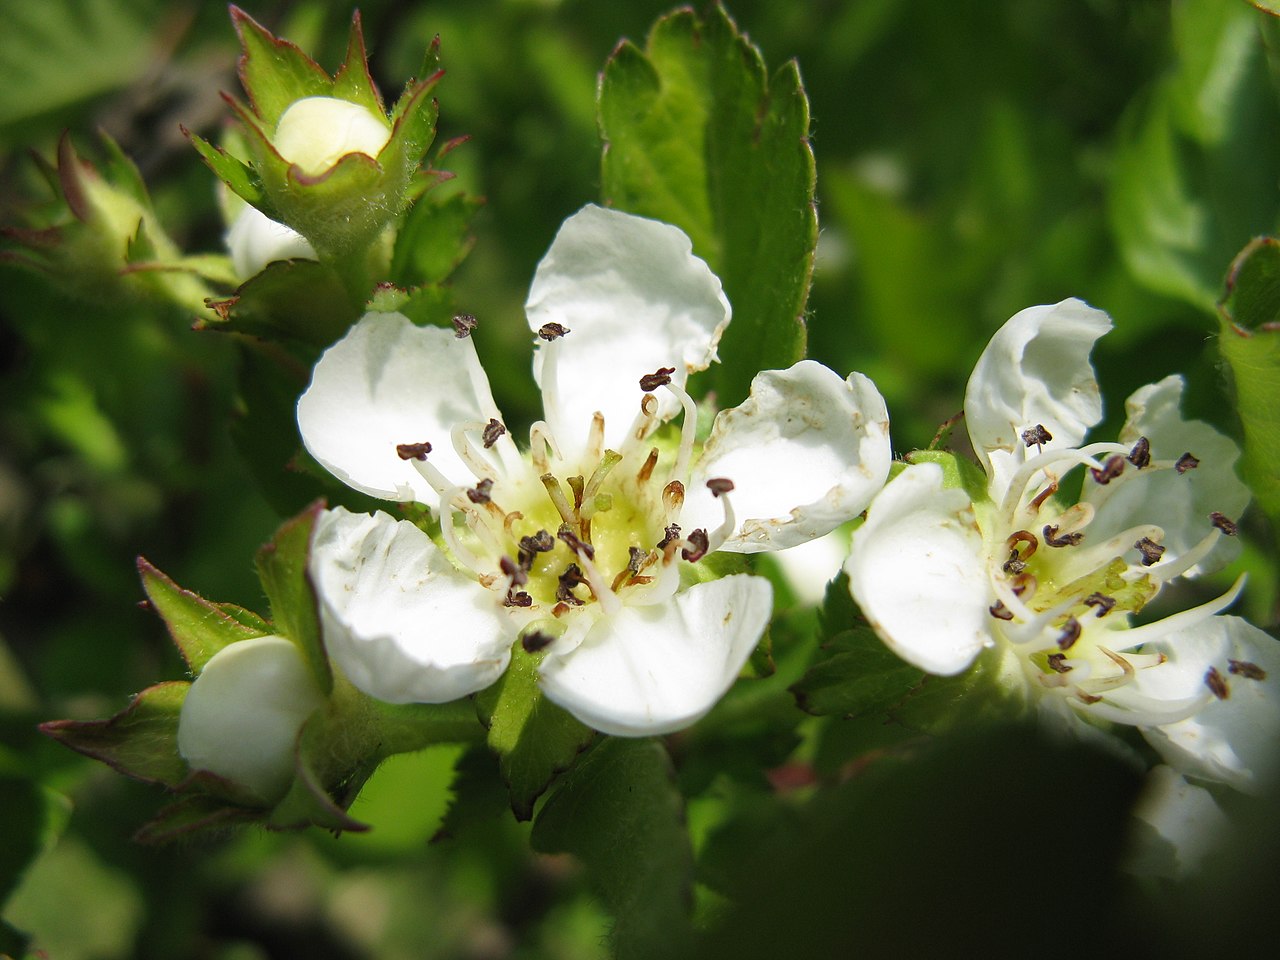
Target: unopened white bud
[(317, 132), (241, 717), (255, 240)]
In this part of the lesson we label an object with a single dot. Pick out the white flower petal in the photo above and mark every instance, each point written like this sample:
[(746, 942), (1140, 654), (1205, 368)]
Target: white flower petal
[(254, 240), (917, 570), (649, 670), (1186, 817), (385, 383), (317, 132), (398, 619), (1035, 370), (241, 717), (1179, 503), (1232, 740), (634, 298), (806, 451)]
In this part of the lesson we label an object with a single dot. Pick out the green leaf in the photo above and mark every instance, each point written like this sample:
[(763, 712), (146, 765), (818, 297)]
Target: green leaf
[(141, 741), (191, 816), (33, 817), (619, 812), (972, 698), (296, 300), (1249, 339), (696, 134), (274, 72), (534, 739), (282, 568), (856, 675), (198, 628), (434, 238)]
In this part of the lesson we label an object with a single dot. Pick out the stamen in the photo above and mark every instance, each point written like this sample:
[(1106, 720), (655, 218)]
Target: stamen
[(413, 451), (463, 324), (480, 493), (595, 438), (1227, 526), (720, 488), (696, 548), (1070, 634), (542, 440), (556, 494), (576, 543), (1186, 462), (492, 431), (669, 535), (1052, 538), (1140, 455), (1037, 436), (476, 462), (571, 577), (1047, 461), (1000, 611), (1135, 637), (536, 640), (1243, 668), (688, 430), (652, 381), (1217, 684), (439, 482), (1180, 565), (1103, 603), (1057, 663), (531, 546), (463, 555), (673, 497), (1109, 471), (552, 331), (646, 468), (604, 596), (1150, 550), (590, 494)]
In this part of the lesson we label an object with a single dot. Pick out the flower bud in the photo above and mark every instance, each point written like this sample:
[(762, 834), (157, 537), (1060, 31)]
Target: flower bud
[(255, 240), (316, 132), (241, 718)]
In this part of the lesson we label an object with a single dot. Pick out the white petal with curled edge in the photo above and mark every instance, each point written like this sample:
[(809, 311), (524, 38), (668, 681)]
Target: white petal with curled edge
[(1232, 740), (649, 670), (317, 132), (241, 717), (1179, 503), (916, 569), (385, 383), (806, 451), (634, 298), (1035, 370), (1184, 816), (254, 240), (398, 619)]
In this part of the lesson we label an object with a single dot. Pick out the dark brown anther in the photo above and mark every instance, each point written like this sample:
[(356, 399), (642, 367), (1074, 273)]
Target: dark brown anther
[(1036, 436), (540, 542), (669, 535), (519, 576), (1000, 611), (1150, 550), (514, 599), (413, 451), (552, 331), (1066, 540), (463, 324), (574, 542), (1057, 663), (1243, 668), (1101, 601), (1224, 524), (1140, 455), (492, 431), (698, 544), (571, 577), (480, 493), (1217, 684), (719, 486), (659, 378), (536, 640), (636, 559), (1112, 468), (1087, 698), (1186, 462), (1018, 558), (1070, 634)]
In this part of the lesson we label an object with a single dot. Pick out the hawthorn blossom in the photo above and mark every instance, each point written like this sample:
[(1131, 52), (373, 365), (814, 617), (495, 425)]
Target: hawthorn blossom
[(946, 569), (589, 545)]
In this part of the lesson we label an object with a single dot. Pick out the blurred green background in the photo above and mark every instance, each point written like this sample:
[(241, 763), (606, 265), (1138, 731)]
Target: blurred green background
[(974, 157)]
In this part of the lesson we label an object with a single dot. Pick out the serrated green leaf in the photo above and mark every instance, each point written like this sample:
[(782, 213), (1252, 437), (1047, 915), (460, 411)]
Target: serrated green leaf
[(141, 741), (857, 675), (295, 300), (282, 568), (198, 628), (1249, 339), (479, 797), (434, 238), (534, 739), (619, 812), (274, 72), (696, 134)]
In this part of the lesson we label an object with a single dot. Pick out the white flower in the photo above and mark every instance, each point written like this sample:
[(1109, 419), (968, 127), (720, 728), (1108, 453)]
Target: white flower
[(255, 240), (944, 571), (316, 132), (587, 544), (241, 717)]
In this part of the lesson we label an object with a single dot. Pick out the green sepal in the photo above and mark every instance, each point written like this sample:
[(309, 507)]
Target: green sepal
[(535, 740), (141, 741), (352, 81), (429, 306), (699, 135), (274, 72), (299, 300), (193, 815), (958, 473), (199, 628), (1249, 340), (619, 812), (282, 568), (309, 801), (433, 239), (241, 178)]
